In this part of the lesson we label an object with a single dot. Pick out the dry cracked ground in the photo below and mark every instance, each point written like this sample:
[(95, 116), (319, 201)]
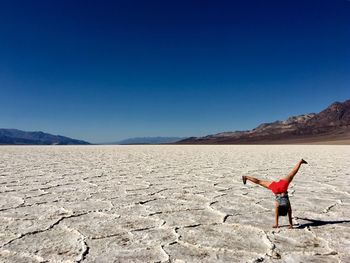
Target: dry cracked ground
[(171, 204)]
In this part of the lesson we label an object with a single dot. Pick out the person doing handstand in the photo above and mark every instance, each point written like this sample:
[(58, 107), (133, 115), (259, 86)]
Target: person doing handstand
[(280, 189)]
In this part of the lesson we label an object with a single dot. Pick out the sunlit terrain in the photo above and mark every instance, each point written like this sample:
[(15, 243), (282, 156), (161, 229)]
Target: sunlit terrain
[(171, 203)]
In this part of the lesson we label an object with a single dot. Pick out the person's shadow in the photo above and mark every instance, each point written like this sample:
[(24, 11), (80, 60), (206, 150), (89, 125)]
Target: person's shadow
[(315, 222)]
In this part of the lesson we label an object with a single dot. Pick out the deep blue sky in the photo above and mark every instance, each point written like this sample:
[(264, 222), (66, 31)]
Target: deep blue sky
[(107, 70)]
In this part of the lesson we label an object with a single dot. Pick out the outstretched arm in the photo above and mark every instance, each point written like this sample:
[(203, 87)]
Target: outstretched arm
[(290, 216), (276, 215)]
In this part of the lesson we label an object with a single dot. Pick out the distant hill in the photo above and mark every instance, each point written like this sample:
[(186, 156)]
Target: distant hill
[(330, 125), (18, 137), (150, 140)]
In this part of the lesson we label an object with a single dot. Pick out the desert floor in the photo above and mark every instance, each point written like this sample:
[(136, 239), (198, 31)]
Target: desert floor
[(171, 204)]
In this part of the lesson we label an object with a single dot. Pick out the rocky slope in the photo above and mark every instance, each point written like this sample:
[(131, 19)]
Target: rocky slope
[(331, 124)]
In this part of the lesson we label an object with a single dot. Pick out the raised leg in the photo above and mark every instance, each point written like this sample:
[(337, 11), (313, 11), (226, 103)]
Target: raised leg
[(294, 171), (256, 181)]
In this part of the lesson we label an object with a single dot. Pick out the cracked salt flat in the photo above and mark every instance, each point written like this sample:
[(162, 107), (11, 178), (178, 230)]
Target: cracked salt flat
[(171, 204)]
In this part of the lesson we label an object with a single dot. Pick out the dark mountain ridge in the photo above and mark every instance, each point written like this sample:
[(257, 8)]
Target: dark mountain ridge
[(18, 137), (331, 124)]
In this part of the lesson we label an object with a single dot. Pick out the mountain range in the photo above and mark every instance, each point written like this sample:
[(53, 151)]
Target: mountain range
[(330, 125), (18, 137), (150, 140)]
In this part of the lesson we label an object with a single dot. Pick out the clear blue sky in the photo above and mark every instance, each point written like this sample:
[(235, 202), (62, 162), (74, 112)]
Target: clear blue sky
[(108, 70)]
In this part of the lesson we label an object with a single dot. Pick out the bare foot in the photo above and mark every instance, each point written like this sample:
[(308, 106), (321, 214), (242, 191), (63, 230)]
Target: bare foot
[(290, 227), (244, 179), (275, 226), (303, 161)]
